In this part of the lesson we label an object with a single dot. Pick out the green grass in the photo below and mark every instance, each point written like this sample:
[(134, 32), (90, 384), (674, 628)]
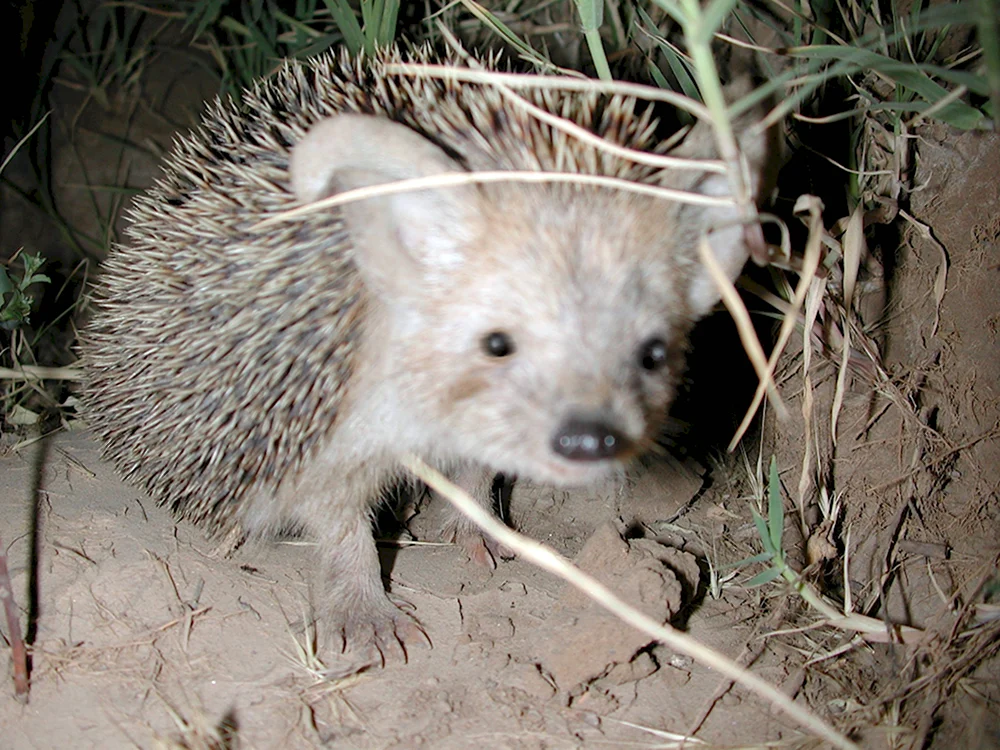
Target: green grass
[(249, 40), (15, 302)]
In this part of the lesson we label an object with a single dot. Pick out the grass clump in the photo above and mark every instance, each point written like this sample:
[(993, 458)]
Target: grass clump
[(15, 302)]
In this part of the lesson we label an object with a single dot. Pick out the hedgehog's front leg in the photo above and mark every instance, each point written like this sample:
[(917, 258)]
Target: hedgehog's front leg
[(356, 608), (333, 499), (480, 549)]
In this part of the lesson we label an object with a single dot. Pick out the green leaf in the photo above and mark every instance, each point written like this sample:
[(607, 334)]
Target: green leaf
[(772, 88), (759, 558), (679, 65), (658, 78), (347, 22), (262, 38), (206, 13), (775, 508), (912, 76), (765, 536), (988, 22), (233, 26), (712, 18), (674, 10), (31, 264), (17, 309), (763, 577), (386, 32), (27, 281), (591, 14), (523, 49)]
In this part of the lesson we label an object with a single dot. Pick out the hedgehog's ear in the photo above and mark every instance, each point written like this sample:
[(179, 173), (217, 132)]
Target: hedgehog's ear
[(725, 237), (399, 238), (722, 223)]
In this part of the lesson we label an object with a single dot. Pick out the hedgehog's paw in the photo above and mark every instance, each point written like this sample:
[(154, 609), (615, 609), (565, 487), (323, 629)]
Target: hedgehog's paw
[(482, 550), (479, 548), (378, 632)]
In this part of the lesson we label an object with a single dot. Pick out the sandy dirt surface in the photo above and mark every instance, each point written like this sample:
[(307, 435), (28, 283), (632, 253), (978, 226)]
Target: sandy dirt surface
[(142, 626)]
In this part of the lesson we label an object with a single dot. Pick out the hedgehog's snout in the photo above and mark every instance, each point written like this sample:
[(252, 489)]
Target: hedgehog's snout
[(583, 437)]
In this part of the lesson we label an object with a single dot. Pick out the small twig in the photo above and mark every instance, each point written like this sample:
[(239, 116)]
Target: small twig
[(18, 652), (813, 253), (31, 372), (559, 83), (452, 179), (547, 559)]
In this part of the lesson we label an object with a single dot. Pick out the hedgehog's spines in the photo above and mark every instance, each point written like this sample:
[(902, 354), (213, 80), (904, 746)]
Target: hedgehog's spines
[(219, 356)]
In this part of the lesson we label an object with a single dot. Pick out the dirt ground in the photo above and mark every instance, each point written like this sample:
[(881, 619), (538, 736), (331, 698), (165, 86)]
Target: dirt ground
[(144, 635), (141, 623)]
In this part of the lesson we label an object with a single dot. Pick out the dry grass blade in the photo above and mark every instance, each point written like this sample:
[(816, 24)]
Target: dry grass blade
[(669, 740), (854, 249), (640, 157), (31, 372), (813, 206), (748, 337), (562, 83), (20, 143), (550, 561), (18, 652), (814, 299), (451, 179), (200, 732), (941, 277)]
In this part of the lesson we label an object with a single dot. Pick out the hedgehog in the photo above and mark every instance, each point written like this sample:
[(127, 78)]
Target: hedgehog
[(254, 375)]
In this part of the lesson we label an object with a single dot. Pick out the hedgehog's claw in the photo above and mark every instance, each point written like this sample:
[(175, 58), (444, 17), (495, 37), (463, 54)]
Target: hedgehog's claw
[(481, 550), (379, 634)]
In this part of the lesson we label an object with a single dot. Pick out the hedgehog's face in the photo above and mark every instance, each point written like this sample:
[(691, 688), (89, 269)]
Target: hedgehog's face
[(552, 349), (537, 330)]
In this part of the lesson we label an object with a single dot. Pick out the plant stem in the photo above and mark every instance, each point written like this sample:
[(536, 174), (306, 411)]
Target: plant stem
[(596, 47), (18, 653)]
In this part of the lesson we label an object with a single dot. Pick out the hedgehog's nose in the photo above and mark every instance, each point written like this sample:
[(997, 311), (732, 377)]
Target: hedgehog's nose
[(580, 439)]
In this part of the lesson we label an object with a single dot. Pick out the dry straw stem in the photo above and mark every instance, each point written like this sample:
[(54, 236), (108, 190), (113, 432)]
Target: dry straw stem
[(699, 24), (814, 297), (751, 344), (813, 206), (18, 652), (451, 179), (31, 372), (941, 277), (602, 144), (545, 558), (670, 740), (563, 83), (571, 128), (854, 248)]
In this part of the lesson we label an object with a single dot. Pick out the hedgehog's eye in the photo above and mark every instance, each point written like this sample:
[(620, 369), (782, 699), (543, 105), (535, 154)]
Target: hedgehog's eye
[(653, 354), (498, 344)]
